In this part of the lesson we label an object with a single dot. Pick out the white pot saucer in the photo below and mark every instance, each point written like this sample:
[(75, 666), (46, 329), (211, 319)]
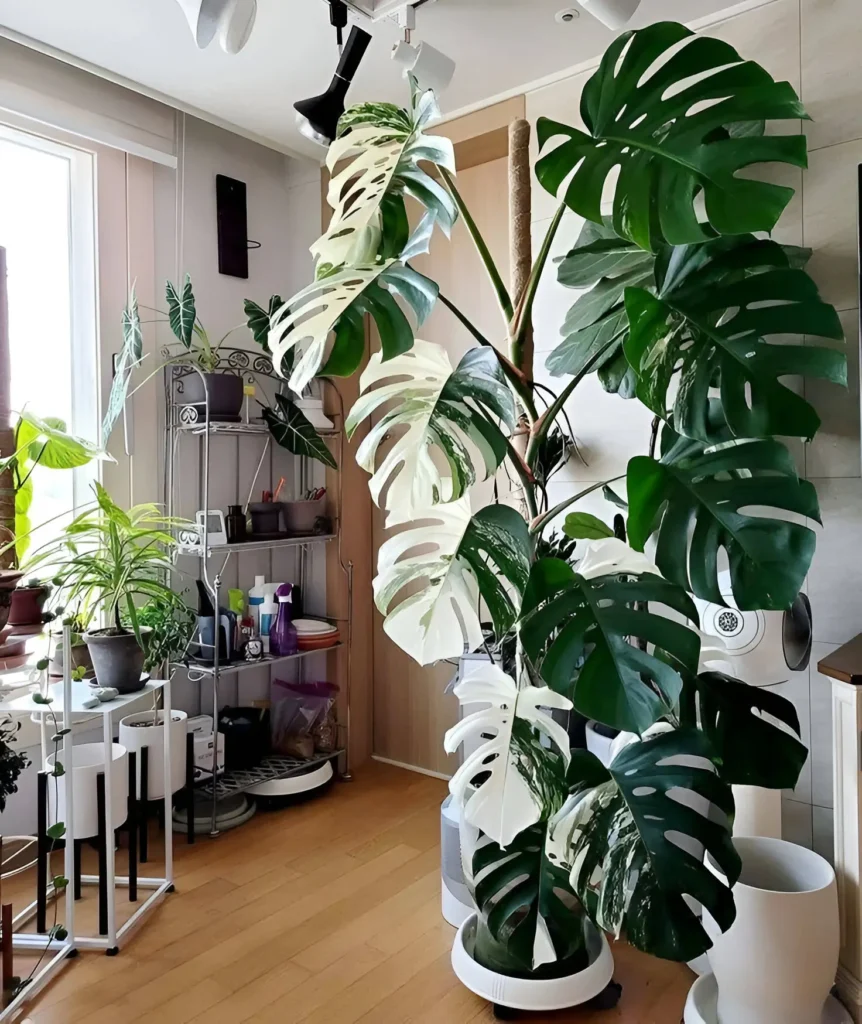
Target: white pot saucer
[(702, 1005)]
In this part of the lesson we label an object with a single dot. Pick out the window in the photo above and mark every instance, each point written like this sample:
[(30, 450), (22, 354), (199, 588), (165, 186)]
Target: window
[(47, 229)]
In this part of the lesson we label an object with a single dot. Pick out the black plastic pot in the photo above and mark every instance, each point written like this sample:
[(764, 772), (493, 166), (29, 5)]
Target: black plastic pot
[(225, 395), (117, 658)]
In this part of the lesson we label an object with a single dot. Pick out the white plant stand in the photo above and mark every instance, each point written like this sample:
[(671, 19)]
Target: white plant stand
[(67, 700)]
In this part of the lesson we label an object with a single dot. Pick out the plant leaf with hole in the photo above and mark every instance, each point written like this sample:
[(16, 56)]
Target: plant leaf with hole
[(669, 136), (181, 311), (446, 412), (486, 554), (719, 308), (626, 838), (697, 504), (576, 629), (337, 303), (750, 750), (506, 803), (377, 161), (291, 429)]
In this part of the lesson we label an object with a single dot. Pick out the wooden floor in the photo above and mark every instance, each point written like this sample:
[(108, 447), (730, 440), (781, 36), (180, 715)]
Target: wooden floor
[(327, 913)]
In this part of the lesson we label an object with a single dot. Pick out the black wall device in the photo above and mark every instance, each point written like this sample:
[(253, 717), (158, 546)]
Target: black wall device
[(232, 226)]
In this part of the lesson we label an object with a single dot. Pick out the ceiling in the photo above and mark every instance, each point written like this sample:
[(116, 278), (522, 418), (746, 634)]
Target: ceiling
[(499, 45)]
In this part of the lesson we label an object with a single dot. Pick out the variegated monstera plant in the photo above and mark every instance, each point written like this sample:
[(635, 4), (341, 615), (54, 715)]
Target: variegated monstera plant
[(686, 305)]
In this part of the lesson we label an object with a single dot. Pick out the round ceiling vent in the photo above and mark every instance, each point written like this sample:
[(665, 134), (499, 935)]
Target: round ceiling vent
[(567, 16)]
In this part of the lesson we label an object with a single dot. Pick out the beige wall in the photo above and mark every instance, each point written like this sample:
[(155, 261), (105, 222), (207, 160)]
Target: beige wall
[(815, 45)]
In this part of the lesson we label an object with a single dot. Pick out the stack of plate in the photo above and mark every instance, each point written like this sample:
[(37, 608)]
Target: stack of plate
[(315, 634)]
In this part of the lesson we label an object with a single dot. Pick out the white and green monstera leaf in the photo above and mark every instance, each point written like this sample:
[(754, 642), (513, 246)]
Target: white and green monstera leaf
[(508, 801), (375, 163), (335, 305), (432, 574), (451, 412)]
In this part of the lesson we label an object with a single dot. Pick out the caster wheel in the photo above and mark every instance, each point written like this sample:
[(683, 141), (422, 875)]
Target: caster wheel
[(170, 888), (504, 1012), (72, 954), (113, 951), (608, 999)]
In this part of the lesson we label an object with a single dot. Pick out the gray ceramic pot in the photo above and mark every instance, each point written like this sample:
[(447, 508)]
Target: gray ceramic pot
[(118, 659), (225, 393)]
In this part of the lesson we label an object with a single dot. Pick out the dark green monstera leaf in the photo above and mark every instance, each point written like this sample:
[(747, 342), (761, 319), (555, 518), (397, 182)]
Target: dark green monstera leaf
[(626, 839), (576, 630), (667, 128), (713, 324), (754, 732), (696, 504)]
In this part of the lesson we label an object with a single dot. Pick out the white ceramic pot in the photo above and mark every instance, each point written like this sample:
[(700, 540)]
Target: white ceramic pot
[(134, 738), (777, 962), (88, 761), (702, 1006), (540, 995)]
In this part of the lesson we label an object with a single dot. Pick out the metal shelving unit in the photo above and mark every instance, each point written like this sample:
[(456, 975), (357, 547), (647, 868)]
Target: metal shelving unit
[(185, 420)]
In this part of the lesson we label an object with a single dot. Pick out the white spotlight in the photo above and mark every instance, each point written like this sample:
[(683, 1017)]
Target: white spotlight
[(431, 68), (613, 13), (231, 20)]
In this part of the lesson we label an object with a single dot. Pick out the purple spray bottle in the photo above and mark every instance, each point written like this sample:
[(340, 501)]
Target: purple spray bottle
[(282, 636)]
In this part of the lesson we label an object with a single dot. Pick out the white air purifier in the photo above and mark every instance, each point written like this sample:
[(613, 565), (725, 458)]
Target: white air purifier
[(457, 903)]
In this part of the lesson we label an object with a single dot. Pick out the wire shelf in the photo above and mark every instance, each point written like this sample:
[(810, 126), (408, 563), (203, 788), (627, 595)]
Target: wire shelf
[(270, 769), (244, 666), (196, 550), (254, 429)]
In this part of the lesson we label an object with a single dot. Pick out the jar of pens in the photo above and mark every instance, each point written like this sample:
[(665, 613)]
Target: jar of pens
[(308, 514)]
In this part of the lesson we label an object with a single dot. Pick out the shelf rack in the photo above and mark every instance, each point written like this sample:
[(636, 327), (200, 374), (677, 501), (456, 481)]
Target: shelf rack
[(184, 420), (271, 769), (245, 666)]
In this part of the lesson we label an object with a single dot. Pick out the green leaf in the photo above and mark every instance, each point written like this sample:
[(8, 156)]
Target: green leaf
[(51, 445), (56, 831), (181, 311), (487, 555), (597, 344), (60, 882), (576, 632), (626, 838), (666, 130), (447, 416), (744, 727), (696, 504), (291, 429), (338, 303), (584, 526), (717, 306), (129, 356)]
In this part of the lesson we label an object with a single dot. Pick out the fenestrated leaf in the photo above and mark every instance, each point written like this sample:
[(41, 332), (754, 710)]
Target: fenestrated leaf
[(381, 150), (594, 345), (487, 554), (127, 359), (291, 428), (667, 132), (716, 307), (585, 526), (505, 803), (337, 303), (576, 628), (749, 748), (768, 557), (181, 311), (626, 838), (451, 412)]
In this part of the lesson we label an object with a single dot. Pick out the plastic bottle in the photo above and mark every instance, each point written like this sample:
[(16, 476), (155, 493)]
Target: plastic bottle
[(255, 600), (268, 612), (283, 640)]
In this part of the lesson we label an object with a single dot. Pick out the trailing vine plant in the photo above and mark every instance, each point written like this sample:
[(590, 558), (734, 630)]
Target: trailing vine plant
[(683, 303)]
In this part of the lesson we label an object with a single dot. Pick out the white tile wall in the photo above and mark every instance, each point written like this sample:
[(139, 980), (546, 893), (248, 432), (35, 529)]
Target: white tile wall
[(815, 45)]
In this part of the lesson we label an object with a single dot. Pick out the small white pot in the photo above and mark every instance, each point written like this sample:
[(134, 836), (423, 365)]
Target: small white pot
[(135, 738), (777, 962), (541, 995), (88, 761)]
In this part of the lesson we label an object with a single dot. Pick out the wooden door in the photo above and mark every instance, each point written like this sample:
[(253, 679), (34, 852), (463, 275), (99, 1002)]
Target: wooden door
[(411, 710)]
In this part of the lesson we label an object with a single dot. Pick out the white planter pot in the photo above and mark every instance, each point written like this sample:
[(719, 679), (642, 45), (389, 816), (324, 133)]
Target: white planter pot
[(541, 995), (135, 738), (89, 761), (702, 1006), (777, 963)]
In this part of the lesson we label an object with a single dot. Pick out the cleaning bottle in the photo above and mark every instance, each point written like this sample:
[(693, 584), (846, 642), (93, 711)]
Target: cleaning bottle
[(255, 600), (283, 640), (268, 613)]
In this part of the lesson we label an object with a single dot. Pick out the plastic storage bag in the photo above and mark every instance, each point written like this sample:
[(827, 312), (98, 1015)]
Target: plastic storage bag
[(303, 718)]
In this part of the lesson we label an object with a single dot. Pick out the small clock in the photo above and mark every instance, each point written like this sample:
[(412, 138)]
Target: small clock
[(254, 649)]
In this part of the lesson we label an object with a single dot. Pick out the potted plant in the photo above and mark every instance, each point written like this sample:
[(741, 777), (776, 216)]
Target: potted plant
[(37, 442), (678, 299), (106, 559)]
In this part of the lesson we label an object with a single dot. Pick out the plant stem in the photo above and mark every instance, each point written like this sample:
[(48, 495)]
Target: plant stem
[(483, 250), (543, 521), (522, 320), (526, 478)]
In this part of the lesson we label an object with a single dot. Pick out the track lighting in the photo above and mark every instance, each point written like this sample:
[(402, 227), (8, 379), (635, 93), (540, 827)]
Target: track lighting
[(613, 13), (317, 117), (431, 68), (230, 20)]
